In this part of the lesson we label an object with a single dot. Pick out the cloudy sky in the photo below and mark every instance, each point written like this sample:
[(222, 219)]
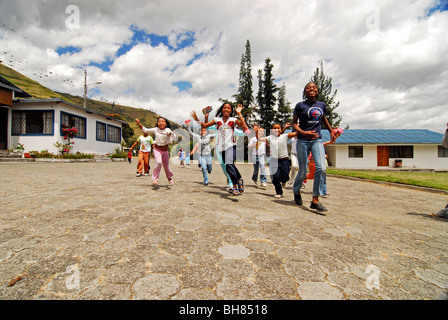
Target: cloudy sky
[(388, 59)]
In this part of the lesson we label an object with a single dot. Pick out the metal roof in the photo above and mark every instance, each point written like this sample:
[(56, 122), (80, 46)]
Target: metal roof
[(392, 136)]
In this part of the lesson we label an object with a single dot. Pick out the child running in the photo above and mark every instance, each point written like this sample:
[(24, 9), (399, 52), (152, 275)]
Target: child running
[(203, 149), (144, 153), (181, 155), (226, 124), (307, 120), (258, 156), (279, 165), (163, 137)]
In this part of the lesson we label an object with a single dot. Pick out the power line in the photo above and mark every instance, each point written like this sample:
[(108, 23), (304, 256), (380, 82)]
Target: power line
[(19, 64), (11, 60), (12, 30)]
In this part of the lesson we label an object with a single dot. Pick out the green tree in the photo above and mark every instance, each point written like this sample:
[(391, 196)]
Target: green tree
[(325, 87), (284, 112), (245, 92), (266, 98)]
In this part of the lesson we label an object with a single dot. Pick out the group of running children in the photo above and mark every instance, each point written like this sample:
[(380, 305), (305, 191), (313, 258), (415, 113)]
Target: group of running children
[(307, 147)]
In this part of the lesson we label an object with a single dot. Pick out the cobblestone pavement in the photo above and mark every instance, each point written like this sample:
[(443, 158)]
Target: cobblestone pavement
[(96, 231)]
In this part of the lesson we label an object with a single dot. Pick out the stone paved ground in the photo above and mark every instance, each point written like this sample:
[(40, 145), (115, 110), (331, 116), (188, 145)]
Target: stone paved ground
[(95, 231)]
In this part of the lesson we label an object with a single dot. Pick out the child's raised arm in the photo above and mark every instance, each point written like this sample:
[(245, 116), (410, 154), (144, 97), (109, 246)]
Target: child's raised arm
[(144, 129), (240, 120), (203, 125), (287, 125)]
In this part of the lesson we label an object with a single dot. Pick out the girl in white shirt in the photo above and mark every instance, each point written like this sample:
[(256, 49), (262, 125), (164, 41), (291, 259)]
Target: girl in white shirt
[(163, 137), (226, 143)]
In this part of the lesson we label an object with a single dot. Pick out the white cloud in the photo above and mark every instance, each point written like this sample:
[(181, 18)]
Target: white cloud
[(387, 59)]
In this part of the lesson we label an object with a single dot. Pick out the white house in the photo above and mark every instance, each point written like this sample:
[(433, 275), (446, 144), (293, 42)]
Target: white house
[(36, 123), (367, 149)]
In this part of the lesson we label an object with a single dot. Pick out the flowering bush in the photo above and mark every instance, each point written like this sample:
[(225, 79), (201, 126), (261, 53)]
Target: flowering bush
[(69, 133)]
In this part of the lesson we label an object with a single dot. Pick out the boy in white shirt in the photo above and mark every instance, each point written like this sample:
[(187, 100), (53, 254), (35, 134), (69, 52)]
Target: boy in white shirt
[(258, 156), (279, 164), (144, 153)]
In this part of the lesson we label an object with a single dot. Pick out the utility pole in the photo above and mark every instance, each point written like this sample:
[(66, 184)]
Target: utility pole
[(85, 88)]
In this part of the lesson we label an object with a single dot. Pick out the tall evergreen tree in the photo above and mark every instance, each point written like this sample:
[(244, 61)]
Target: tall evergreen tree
[(260, 97), (266, 98), (284, 112), (324, 85), (245, 92)]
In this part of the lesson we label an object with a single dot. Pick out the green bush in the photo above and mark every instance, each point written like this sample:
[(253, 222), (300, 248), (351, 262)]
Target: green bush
[(119, 153), (49, 155)]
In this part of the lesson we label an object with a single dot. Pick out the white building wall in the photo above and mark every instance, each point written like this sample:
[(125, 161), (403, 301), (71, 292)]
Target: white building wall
[(46, 142), (338, 156), (425, 157)]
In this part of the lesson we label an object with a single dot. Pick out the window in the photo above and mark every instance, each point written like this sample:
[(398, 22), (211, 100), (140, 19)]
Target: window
[(442, 152), (32, 122), (355, 152), (100, 131), (401, 152), (113, 134), (73, 121)]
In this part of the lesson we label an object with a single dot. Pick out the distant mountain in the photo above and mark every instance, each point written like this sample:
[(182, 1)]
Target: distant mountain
[(38, 91)]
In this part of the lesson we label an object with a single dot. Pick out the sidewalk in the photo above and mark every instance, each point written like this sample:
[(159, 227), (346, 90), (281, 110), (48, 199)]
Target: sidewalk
[(96, 231)]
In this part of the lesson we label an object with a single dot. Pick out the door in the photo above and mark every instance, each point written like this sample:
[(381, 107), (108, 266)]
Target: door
[(382, 156), (3, 128)]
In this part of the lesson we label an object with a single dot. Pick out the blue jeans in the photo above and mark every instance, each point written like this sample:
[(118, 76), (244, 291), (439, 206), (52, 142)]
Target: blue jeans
[(223, 167), (316, 147), (229, 157), (206, 165), (259, 162)]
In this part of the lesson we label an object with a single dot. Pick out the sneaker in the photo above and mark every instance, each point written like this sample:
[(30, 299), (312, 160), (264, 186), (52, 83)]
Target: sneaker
[(241, 186), (303, 185), (278, 196), (155, 182), (264, 184), (171, 181), (146, 173), (290, 182), (318, 206), (298, 199), (441, 214), (139, 174)]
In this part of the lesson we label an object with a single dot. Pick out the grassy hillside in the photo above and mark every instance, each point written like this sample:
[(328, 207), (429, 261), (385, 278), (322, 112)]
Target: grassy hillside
[(26, 84), (38, 91)]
